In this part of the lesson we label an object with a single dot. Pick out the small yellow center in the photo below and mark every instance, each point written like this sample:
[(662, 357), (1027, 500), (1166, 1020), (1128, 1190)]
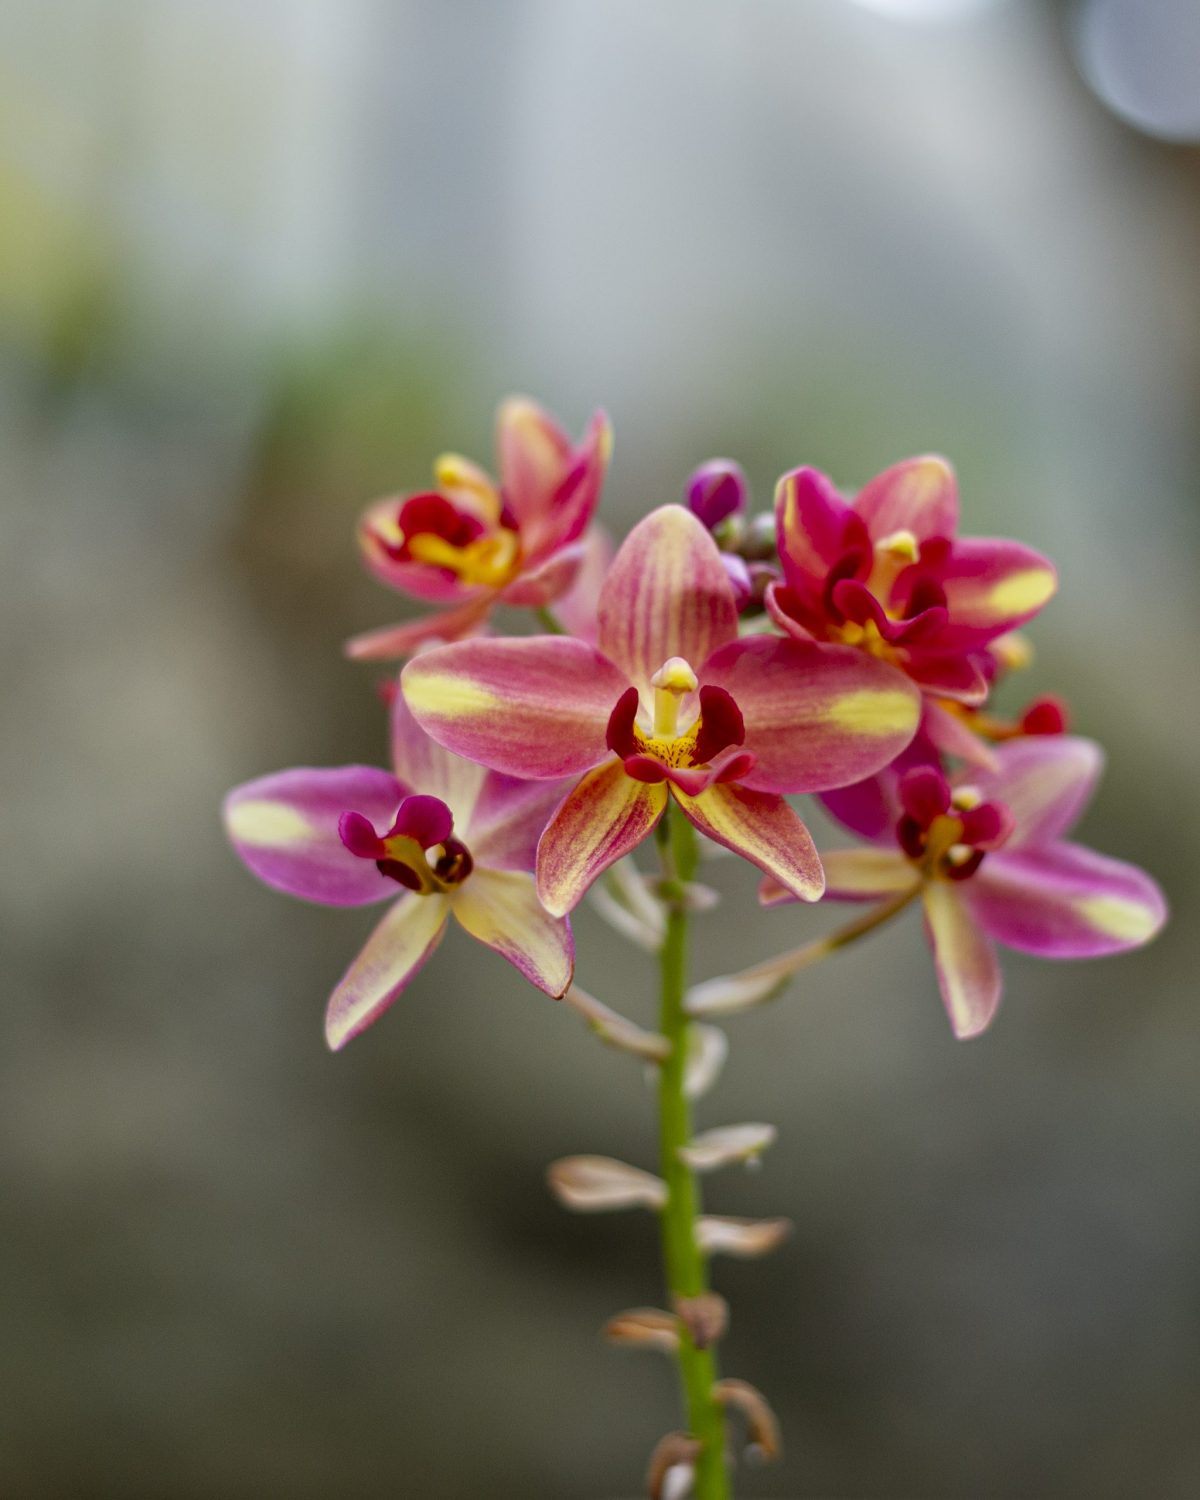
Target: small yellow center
[(867, 638), (489, 560)]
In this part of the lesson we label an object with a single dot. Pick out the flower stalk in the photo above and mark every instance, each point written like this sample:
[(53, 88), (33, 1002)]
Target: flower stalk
[(684, 1264)]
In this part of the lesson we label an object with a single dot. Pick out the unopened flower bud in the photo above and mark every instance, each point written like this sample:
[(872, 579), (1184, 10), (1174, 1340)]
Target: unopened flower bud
[(716, 491), (758, 538), (1045, 716), (740, 577)]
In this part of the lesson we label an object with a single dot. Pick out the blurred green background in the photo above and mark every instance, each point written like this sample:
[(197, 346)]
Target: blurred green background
[(259, 263)]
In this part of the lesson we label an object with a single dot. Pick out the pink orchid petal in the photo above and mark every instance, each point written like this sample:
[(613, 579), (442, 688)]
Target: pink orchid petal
[(853, 599), (866, 874), (285, 830), (501, 909), (535, 455), (1045, 782), (947, 676), (868, 808), (667, 594), (421, 580), (991, 586), (397, 948), (919, 495), (967, 968), (815, 716), (812, 523), (394, 641), (509, 818), (1064, 901), (578, 610), (786, 609), (731, 764), (954, 737), (427, 766), (578, 493), (541, 585), (426, 819), (763, 828), (605, 816), (535, 707)]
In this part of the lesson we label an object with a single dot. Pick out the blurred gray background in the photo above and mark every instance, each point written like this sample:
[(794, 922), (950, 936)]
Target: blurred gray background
[(259, 262)]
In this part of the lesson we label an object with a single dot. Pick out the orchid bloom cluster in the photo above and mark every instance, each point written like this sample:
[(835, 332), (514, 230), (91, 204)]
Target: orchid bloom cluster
[(717, 664)]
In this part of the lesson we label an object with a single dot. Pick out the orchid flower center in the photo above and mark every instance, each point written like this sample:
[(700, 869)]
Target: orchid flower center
[(673, 681), (891, 555), (946, 833), (462, 528), (867, 638), (688, 734), (419, 851)]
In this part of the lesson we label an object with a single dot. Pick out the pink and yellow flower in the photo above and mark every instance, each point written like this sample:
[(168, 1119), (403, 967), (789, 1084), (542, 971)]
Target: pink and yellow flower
[(989, 858), (463, 846), (887, 573), (668, 703), (471, 543)]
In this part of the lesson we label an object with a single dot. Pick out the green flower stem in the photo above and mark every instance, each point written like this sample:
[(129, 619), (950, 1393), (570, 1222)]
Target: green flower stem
[(685, 1266), (545, 618)]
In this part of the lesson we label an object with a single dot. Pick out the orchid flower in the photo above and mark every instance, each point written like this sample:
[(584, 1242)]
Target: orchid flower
[(668, 703), (471, 543), (989, 858), (887, 573), (462, 846)]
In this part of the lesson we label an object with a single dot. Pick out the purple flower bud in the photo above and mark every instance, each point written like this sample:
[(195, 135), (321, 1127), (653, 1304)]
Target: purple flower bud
[(716, 491)]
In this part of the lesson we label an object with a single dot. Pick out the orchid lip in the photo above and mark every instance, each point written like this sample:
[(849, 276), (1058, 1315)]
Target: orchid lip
[(418, 851), (944, 831), (690, 756)]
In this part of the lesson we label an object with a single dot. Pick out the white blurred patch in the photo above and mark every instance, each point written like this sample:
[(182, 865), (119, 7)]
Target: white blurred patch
[(1142, 57)]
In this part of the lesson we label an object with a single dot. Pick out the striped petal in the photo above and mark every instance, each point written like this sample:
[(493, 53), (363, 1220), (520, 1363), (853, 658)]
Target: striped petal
[(605, 816), (534, 454), (424, 764), (393, 953), (391, 642), (508, 820), (541, 585), (967, 969), (667, 594), (991, 587), (763, 828), (536, 707), (1045, 781), (814, 526), (919, 495), (501, 909), (285, 830), (574, 502), (1064, 901), (815, 716), (865, 874), (578, 609)]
